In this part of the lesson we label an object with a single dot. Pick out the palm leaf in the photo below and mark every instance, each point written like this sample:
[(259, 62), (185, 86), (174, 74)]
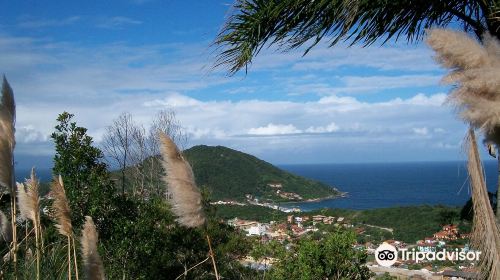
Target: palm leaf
[(293, 23)]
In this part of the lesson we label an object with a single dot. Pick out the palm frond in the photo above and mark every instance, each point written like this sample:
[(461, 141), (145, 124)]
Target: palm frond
[(186, 198), (292, 23)]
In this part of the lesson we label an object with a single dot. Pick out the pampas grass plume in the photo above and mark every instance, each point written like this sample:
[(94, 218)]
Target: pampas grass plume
[(28, 198), (5, 228), (61, 208), (186, 198), (475, 73), (92, 261), (7, 140)]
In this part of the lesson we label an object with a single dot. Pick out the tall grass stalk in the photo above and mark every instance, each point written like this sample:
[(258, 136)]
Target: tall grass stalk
[(7, 144), (29, 207), (63, 219), (92, 262), (186, 198)]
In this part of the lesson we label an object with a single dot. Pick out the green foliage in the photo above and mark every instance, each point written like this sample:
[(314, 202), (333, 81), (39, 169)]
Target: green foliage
[(144, 242), (85, 176), (293, 23), (250, 212), (410, 223), (231, 174), (330, 258)]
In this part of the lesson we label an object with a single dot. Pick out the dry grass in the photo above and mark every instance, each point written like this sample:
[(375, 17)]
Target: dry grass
[(5, 228), (29, 207), (92, 262), (61, 208), (486, 234), (475, 73), (186, 198), (7, 140), (29, 199)]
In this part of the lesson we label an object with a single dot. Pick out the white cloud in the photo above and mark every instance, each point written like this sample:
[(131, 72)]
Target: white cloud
[(100, 83), (28, 22), (421, 130), (274, 129), (373, 84), (28, 134), (332, 127), (117, 22)]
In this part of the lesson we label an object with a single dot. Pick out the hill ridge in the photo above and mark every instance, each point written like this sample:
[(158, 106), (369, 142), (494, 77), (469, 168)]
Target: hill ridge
[(232, 175)]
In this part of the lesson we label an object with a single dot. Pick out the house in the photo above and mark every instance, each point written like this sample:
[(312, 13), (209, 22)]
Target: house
[(328, 220), (242, 224), (275, 185), (427, 245), (318, 218), (259, 230), (289, 219), (448, 232)]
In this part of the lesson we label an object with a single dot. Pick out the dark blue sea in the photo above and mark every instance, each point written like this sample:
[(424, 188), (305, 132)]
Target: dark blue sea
[(44, 174), (378, 185)]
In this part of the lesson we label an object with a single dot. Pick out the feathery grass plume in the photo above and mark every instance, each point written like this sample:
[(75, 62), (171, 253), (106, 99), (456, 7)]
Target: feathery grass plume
[(475, 72), (62, 213), (93, 267), (7, 140), (5, 228), (61, 208), (186, 197), (485, 232), (29, 206)]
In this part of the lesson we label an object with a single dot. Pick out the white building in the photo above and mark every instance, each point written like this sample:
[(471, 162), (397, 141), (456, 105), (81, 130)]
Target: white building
[(258, 230)]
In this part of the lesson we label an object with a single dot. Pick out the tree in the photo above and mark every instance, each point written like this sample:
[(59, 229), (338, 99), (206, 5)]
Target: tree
[(135, 150), (117, 142), (85, 176), (333, 257), (292, 23)]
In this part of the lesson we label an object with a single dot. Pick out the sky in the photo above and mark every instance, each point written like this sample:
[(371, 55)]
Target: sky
[(98, 59)]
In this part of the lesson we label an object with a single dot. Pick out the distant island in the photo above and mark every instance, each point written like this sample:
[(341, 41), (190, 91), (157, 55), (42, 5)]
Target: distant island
[(232, 175)]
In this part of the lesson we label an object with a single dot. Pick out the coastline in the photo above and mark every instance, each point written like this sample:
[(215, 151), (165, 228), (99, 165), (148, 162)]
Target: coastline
[(333, 196)]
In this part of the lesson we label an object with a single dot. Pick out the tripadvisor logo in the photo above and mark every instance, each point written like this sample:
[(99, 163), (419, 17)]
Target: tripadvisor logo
[(387, 255)]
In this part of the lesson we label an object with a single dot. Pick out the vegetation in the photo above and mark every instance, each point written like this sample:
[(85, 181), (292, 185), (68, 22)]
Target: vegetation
[(409, 224), (230, 174), (332, 257), (253, 24), (250, 212), (132, 238), (88, 187)]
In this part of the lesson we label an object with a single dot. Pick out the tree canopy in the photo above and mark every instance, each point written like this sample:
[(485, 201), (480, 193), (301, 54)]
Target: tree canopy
[(290, 24)]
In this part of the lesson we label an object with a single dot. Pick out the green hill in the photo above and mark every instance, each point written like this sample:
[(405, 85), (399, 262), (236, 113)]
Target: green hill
[(230, 174)]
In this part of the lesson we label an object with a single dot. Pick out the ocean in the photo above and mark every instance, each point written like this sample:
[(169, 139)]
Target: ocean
[(379, 185)]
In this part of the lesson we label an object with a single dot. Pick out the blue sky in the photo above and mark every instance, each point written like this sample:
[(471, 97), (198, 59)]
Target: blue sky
[(97, 59)]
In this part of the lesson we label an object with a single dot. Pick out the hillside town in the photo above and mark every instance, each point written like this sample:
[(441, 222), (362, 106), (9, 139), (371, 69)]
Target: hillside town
[(299, 225)]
